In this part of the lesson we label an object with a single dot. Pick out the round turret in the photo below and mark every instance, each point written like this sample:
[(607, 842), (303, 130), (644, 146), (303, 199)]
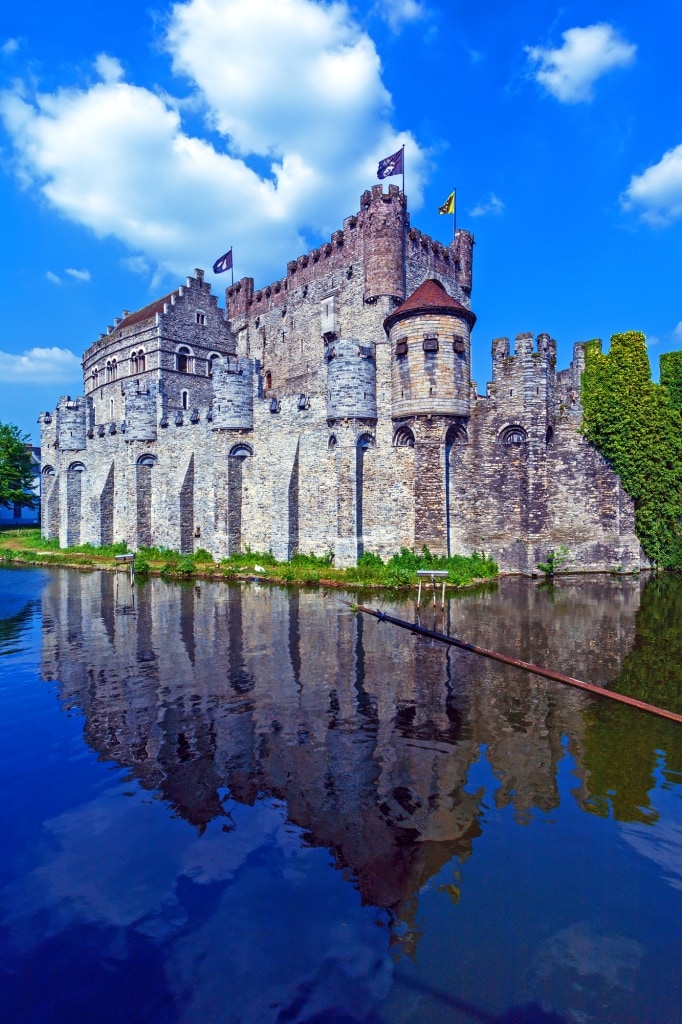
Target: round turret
[(232, 394), (383, 223), (351, 380), (140, 411), (71, 424), (430, 339)]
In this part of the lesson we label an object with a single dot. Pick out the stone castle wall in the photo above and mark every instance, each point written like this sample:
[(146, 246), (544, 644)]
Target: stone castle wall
[(299, 421)]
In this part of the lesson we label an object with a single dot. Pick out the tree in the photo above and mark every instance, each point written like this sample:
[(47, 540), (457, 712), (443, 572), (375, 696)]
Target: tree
[(17, 471)]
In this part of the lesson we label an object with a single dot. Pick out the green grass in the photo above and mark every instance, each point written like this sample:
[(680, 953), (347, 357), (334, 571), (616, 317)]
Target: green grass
[(398, 572)]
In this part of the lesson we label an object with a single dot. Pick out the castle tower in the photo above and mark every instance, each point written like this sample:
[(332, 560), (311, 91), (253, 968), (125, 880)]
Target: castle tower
[(430, 340), (351, 380), (72, 424), (384, 220), (233, 394), (140, 410)]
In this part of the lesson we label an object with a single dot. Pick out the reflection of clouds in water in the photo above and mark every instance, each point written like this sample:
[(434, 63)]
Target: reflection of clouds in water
[(580, 949), (663, 846), (125, 864)]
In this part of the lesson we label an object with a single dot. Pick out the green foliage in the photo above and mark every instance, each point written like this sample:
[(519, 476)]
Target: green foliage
[(636, 425), (401, 568), (142, 565), (106, 550), (17, 471), (671, 376), (312, 561), (202, 555), (556, 561)]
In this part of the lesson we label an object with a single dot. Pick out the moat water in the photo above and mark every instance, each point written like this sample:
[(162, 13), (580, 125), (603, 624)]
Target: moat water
[(227, 804)]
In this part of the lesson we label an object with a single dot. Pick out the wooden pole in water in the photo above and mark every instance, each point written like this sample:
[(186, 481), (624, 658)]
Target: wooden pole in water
[(558, 677)]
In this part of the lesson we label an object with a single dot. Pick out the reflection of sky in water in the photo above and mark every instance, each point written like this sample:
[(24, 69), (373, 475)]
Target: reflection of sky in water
[(507, 902), (662, 845), (219, 905)]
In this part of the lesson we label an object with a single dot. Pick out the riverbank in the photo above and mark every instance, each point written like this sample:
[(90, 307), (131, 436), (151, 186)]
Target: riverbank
[(27, 547)]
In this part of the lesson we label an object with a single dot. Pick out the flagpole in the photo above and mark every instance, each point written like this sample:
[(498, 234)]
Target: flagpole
[(454, 216), (403, 168), (232, 266)]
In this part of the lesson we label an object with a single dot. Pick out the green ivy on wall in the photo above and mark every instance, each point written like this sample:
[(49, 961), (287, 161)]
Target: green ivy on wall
[(637, 426), (671, 376)]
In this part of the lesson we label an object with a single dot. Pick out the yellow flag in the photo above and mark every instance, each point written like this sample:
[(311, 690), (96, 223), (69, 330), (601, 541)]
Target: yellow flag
[(449, 204)]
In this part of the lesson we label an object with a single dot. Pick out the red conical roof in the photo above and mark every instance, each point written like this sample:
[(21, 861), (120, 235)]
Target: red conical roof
[(429, 297)]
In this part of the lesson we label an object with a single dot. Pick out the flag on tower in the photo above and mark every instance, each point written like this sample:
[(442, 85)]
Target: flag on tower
[(449, 204), (224, 263), (391, 165)]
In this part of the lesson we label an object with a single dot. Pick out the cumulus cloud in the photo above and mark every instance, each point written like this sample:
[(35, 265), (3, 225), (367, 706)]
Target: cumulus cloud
[(78, 275), (570, 71), (53, 278), (678, 330), (293, 82), (9, 47), (108, 68), (491, 205), (657, 192), (39, 366), (397, 13)]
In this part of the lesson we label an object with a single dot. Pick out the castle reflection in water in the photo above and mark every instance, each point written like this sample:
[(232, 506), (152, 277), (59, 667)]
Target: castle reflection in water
[(367, 732)]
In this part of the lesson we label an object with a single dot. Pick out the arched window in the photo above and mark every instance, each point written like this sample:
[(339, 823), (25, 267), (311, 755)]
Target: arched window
[(332, 443), (109, 377), (95, 377), (47, 470), (133, 363), (456, 434), (268, 381), (241, 451), (114, 369), (549, 434), (212, 361), (513, 435), (183, 360), (403, 438), (366, 441), (147, 460), (76, 467), (185, 400), (141, 361)]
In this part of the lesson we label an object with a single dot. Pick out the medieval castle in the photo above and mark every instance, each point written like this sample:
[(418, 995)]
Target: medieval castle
[(333, 410)]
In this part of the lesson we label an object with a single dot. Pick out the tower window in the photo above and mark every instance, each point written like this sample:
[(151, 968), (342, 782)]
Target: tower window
[(201, 319), (183, 360)]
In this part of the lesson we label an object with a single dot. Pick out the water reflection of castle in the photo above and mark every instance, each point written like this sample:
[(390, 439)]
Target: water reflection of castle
[(367, 732)]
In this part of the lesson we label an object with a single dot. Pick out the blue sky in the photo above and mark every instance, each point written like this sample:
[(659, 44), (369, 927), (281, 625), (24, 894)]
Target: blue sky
[(137, 143)]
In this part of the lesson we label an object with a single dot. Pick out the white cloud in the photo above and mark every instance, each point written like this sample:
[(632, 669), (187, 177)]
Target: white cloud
[(136, 265), (108, 68), (678, 330), (570, 71), (491, 205), (397, 13), (293, 81), (78, 275), (658, 190), (40, 366), (9, 47), (53, 278)]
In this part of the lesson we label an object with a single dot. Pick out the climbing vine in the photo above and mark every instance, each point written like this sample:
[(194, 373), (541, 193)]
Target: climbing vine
[(637, 426), (671, 376)]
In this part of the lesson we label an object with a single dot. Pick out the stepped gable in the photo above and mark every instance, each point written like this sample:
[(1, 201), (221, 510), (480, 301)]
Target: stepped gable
[(146, 313), (429, 297)]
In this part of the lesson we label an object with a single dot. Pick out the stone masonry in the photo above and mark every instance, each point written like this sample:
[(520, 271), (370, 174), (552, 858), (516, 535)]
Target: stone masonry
[(333, 411)]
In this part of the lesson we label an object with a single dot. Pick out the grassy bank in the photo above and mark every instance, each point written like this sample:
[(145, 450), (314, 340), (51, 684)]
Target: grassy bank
[(24, 546)]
